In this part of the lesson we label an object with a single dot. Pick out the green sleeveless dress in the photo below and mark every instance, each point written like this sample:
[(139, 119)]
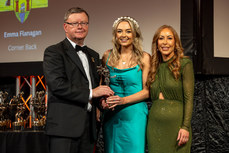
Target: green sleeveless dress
[(167, 116), (125, 128)]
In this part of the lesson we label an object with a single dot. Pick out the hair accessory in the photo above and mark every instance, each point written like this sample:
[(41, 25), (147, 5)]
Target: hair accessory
[(126, 18)]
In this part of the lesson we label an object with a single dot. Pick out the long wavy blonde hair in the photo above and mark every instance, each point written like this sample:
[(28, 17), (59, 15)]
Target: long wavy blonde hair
[(137, 42), (156, 58)]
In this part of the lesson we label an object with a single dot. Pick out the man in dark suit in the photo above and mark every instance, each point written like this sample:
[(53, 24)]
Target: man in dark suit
[(70, 70)]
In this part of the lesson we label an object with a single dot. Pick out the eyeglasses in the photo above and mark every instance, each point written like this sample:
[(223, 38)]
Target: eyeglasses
[(76, 24)]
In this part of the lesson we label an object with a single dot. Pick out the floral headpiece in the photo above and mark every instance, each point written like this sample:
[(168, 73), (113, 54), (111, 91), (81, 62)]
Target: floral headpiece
[(128, 18)]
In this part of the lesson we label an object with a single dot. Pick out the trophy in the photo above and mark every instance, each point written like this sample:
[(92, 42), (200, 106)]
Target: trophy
[(105, 73), (3, 107), (17, 109), (38, 102), (19, 121)]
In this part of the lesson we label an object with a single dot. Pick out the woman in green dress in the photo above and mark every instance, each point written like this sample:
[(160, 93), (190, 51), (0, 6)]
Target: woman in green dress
[(171, 82)]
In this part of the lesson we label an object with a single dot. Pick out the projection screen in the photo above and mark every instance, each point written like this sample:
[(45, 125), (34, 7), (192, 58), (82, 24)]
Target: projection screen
[(221, 30), (29, 26)]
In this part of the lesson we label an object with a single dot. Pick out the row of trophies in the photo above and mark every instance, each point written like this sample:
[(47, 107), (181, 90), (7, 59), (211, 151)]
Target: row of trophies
[(15, 116)]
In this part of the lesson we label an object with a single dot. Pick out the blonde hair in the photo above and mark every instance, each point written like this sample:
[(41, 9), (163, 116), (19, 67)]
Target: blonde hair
[(156, 58), (137, 42)]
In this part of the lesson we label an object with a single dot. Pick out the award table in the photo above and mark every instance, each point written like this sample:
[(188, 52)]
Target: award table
[(26, 141)]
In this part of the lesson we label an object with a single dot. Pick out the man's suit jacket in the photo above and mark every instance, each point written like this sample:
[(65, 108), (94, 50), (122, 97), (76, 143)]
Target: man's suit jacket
[(68, 90)]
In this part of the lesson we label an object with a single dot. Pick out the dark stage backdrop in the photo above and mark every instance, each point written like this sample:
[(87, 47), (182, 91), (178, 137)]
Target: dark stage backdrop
[(210, 121), (204, 27)]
